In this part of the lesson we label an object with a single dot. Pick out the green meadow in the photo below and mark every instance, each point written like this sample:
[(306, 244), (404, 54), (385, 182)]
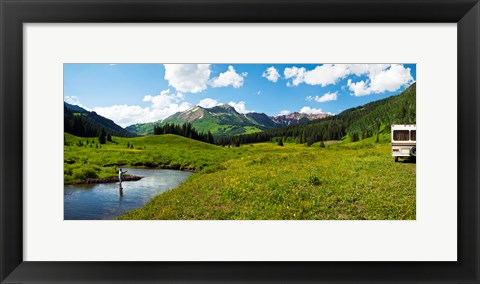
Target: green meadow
[(263, 181)]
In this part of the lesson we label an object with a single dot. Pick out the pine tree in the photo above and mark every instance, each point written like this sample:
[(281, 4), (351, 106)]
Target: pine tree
[(101, 137), (210, 137), (310, 141)]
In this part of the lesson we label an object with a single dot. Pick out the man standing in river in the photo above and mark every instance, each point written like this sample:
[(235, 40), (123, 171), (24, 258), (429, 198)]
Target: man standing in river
[(120, 177)]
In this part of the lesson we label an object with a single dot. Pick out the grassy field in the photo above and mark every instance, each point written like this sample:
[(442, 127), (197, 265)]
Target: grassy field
[(343, 181)]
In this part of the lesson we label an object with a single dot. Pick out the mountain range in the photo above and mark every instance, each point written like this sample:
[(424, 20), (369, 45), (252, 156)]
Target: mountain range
[(224, 120)]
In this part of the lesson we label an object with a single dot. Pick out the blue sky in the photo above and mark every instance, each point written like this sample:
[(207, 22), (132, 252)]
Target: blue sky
[(137, 93)]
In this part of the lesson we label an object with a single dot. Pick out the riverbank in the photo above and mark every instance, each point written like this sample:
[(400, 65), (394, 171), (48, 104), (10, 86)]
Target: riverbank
[(150, 152)]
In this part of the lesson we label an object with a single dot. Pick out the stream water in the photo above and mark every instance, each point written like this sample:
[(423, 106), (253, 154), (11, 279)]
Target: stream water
[(105, 201)]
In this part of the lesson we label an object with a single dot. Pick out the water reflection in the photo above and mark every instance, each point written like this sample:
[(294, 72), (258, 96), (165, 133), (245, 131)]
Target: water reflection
[(109, 200)]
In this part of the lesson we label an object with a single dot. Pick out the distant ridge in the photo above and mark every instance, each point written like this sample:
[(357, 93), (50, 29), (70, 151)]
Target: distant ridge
[(224, 120), (80, 122), (297, 117)]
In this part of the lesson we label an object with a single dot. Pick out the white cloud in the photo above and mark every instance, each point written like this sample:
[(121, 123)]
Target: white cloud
[(228, 78), (188, 78), (73, 100), (382, 78), (164, 99), (240, 107), (391, 79), (369, 69), (284, 112), (161, 107), (208, 103), (359, 69), (359, 88), (194, 78), (374, 69), (327, 97), (123, 115), (322, 75), (271, 74), (292, 72), (326, 74), (309, 110), (296, 73)]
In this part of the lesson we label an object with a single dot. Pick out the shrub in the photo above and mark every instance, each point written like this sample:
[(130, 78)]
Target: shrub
[(83, 173), (314, 179)]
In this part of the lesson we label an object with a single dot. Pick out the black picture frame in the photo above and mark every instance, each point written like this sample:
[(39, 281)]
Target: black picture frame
[(466, 13)]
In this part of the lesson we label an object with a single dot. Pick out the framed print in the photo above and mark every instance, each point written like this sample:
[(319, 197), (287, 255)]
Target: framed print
[(239, 141)]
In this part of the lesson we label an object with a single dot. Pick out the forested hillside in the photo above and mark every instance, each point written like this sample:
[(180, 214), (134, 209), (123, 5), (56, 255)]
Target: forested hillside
[(185, 130), (83, 123), (355, 123)]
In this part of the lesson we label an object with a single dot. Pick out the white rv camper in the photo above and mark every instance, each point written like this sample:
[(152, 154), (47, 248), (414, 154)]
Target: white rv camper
[(404, 141)]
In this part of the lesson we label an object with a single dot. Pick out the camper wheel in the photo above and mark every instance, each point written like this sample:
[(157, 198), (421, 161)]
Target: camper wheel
[(396, 159)]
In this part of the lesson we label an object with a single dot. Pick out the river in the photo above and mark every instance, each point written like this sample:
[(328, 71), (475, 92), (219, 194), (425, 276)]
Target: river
[(104, 201)]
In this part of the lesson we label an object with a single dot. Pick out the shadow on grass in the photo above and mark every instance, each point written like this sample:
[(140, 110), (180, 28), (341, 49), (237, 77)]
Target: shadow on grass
[(411, 160)]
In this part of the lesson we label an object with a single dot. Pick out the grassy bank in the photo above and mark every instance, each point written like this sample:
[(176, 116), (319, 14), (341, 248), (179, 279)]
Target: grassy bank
[(263, 181), (85, 158)]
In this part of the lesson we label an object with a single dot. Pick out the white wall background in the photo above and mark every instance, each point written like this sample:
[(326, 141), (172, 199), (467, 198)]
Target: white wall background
[(431, 237)]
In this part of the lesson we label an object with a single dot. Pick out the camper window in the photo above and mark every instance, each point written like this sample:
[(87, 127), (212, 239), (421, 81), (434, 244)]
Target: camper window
[(413, 135), (401, 135)]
